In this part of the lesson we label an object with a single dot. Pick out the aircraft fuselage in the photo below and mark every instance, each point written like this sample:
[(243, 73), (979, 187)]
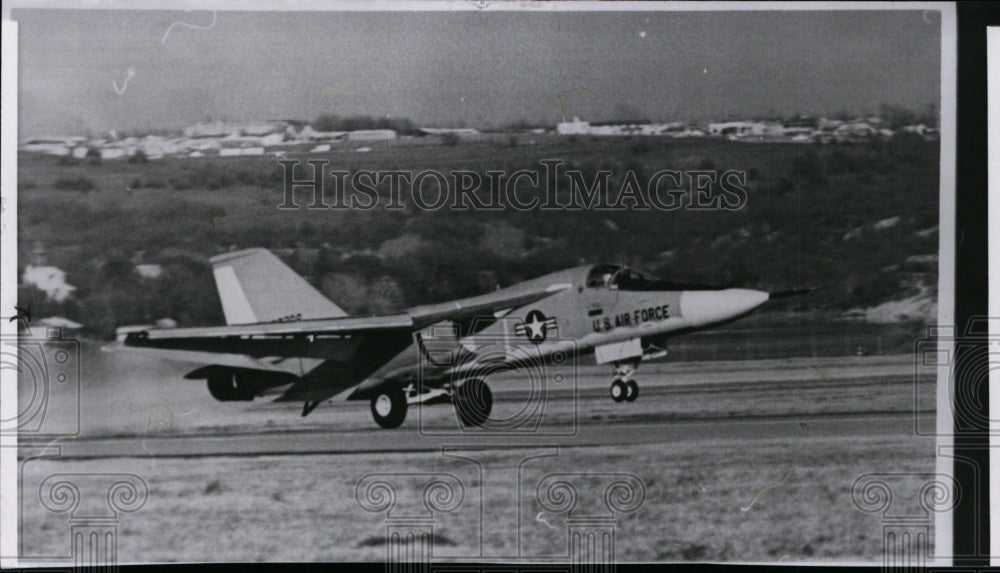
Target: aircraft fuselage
[(581, 316)]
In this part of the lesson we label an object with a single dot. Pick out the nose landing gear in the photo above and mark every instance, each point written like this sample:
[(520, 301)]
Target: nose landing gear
[(624, 389)]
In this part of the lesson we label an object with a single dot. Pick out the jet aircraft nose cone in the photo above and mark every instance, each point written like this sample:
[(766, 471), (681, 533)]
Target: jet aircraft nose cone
[(707, 306)]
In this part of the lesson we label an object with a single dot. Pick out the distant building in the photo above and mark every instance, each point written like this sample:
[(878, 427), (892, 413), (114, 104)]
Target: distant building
[(929, 133), (113, 153), (624, 128), (688, 131), (50, 280), (730, 128), (202, 144), (59, 146), (802, 122), (309, 134), (60, 322), (575, 127), (272, 139), (459, 131), (149, 271), (215, 129), (372, 135), (855, 130), (829, 124), (261, 129)]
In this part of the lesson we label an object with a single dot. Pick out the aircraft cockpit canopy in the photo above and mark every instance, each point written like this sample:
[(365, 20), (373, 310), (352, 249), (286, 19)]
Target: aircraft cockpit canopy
[(628, 279), (602, 275)]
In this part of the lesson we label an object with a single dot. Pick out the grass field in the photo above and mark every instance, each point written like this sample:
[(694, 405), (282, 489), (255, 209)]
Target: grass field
[(304, 508)]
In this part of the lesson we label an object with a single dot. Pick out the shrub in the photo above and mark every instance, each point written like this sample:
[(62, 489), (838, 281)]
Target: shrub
[(640, 147), (93, 156), (181, 183), (74, 184), (808, 167)]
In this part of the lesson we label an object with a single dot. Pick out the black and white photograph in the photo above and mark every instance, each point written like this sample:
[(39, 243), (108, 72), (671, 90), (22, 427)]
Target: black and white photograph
[(478, 282)]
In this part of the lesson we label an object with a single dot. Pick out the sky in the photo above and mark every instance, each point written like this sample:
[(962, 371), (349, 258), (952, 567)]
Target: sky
[(96, 70)]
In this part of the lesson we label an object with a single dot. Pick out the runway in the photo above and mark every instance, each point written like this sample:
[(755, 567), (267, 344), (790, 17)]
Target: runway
[(705, 438), (376, 442), (793, 399)]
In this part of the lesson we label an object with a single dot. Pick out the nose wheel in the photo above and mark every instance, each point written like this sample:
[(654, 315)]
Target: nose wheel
[(624, 390), (633, 391)]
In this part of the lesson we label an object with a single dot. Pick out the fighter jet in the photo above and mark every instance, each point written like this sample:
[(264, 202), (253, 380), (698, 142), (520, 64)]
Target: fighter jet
[(282, 335)]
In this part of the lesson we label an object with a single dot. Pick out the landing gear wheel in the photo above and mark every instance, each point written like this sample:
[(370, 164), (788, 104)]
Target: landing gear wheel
[(389, 407), (473, 402), (633, 391), (618, 390), (222, 387)]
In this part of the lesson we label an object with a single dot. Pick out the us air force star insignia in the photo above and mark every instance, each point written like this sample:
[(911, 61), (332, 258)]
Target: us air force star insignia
[(535, 326)]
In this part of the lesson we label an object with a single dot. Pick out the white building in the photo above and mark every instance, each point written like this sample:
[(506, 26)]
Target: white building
[(922, 130), (372, 135), (216, 129), (575, 127), (730, 128), (147, 271), (113, 153), (60, 322), (459, 131), (742, 129), (60, 146), (855, 129), (310, 134)]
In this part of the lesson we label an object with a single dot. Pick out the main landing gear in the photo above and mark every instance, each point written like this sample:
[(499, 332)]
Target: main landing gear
[(389, 407), (473, 402), (624, 389)]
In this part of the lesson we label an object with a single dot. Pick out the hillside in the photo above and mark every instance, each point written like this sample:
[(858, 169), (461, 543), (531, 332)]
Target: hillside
[(858, 220)]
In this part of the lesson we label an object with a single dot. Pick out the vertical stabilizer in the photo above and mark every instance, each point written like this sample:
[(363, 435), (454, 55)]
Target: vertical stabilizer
[(255, 286)]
